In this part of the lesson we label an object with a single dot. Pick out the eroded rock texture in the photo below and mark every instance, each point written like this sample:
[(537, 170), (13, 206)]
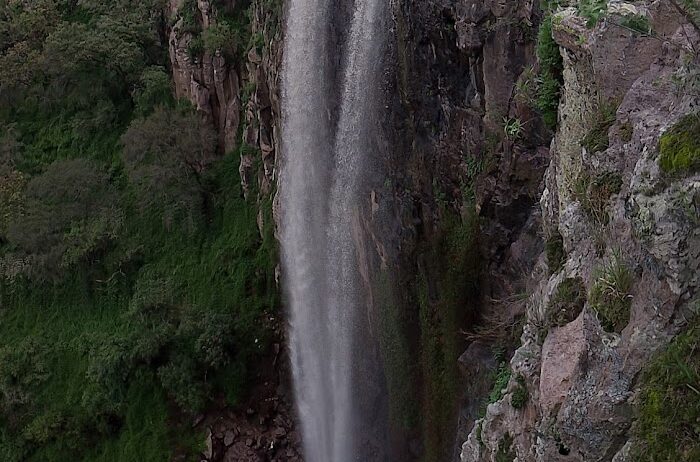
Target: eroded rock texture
[(581, 375)]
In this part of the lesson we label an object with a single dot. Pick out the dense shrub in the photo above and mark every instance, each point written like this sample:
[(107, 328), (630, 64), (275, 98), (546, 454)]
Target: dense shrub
[(165, 156), (70, 216)]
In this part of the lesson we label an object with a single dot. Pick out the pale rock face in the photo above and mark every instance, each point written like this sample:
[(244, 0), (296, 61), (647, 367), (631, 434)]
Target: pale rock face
[(563, 359)]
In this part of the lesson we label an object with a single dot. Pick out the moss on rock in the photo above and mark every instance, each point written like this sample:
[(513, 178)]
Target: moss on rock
[(679, 147)]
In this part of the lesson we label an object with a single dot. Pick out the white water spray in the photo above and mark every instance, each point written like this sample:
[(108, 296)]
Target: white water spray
[(320, 188)]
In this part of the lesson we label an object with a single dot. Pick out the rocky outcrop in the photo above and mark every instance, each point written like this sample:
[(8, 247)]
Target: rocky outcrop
[(238, 94), (629, 230)]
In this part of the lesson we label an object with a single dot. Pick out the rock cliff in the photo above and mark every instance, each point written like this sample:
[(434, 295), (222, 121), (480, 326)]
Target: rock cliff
[(520, 225)]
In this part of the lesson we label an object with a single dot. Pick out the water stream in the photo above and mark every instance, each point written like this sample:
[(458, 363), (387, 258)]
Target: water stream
[(320, 189)]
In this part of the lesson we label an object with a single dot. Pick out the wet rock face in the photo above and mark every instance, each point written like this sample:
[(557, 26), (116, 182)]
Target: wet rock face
[(637, 241)]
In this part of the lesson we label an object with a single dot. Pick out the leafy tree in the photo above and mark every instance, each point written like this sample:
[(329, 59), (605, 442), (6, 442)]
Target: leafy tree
[(165, 156), (71, 216)]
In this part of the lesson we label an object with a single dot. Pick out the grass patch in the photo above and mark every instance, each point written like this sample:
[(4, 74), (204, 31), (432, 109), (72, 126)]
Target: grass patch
[(567, 302), (554, 252), (679, 147), (626, 132), (594, 194), (668, 420), (597, 139), (610, 295)]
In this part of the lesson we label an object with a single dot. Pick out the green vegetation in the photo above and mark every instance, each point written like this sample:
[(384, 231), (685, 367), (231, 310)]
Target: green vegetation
[(554, 251), (500, 382), (667, 425), (513, 128), (594, 194), (454, 260), (637, 22), (596, 139), (592, 10), (679, 147), (567, 302), (402, 372), (550, 78), (134, 283), (520, 394), (610, 295)]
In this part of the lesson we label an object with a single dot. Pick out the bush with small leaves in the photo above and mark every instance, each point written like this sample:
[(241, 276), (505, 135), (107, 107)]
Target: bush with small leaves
[(520, 394)]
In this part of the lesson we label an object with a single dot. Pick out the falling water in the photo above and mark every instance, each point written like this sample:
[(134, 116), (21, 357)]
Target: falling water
[(320, 188)]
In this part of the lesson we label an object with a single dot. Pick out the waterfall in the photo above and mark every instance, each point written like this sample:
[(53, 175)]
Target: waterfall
[(320, 190)]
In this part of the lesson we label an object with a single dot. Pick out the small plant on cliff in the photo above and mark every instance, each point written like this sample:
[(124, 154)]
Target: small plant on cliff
[(550, 78), (668, 424), (597, 138), (594, 194), (638, 23), (520, 394), (610, 295), (679, 147), (567, 302), (500, 383), (513, 128), (592, 10), (554, 250)]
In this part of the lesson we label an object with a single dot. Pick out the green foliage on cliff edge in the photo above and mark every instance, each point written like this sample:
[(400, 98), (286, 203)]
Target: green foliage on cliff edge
[(134, 283), (550, 77), (668, 418)]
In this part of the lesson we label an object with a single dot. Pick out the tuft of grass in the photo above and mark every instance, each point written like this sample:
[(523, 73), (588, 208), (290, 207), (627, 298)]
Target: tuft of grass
[(668, 413), (567, 302), (520, 395), (597, 139), (610, 295), (554, 251), (594, 194), (679, 147)]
